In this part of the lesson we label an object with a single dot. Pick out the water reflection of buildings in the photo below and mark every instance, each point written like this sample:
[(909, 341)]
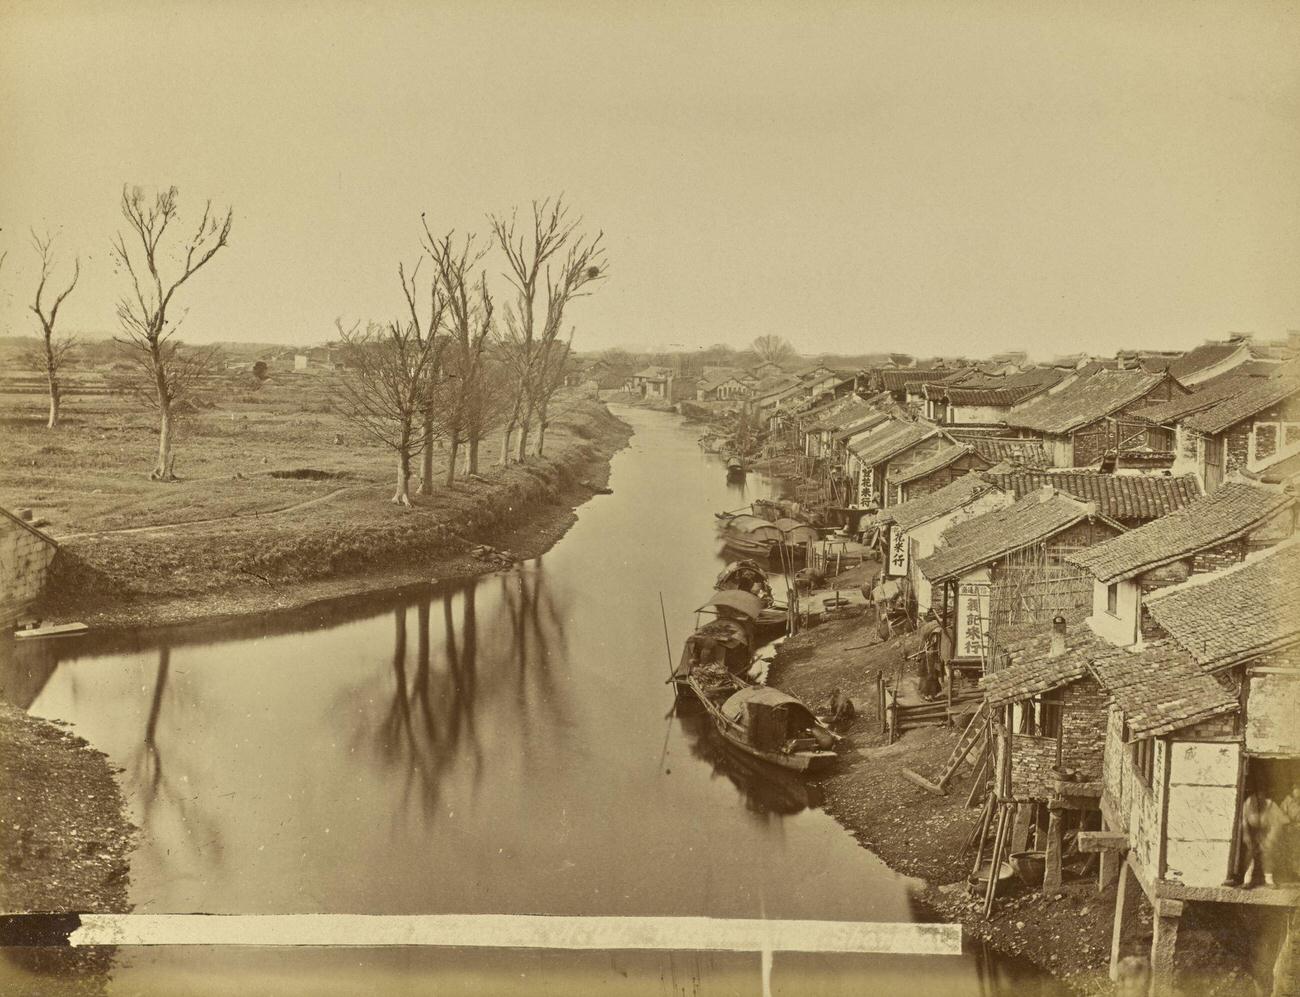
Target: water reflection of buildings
[(764, 788)]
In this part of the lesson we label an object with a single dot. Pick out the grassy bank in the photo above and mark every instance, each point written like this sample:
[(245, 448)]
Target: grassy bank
[(1067, 933), (280, 503)]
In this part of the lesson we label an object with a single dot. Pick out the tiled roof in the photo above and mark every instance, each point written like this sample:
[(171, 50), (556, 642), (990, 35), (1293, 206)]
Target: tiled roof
[(1208, 394), (974, 387), (866, 421), (1224, 617), (1028, 453), (1083, 401), (939, 502), (1232, 510), (986, 538), (1203, 356), (896, 380), (1160, 688), (1033, 671), (941, 458), (1124, 496), (1243, 405), (885, 443), (656, 373)]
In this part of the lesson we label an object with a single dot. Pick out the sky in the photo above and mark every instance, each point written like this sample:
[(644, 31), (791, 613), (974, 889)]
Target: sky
[(919, 176)]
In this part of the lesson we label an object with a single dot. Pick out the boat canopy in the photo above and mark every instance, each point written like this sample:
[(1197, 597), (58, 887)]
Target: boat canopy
[(745, 603), (767, 531), (744, 522), (802, 533), (786, 523), (734, 708)]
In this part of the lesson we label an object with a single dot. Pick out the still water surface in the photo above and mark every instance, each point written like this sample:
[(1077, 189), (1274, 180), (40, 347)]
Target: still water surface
[(503, 745)]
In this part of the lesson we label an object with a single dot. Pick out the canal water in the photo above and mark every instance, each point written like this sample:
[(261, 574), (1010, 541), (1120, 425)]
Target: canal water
[(505, 745)]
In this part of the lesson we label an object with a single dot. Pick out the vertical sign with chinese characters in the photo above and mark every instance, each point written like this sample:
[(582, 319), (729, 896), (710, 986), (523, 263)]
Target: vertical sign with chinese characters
[(896, 565), (972, 619), (866, 486)]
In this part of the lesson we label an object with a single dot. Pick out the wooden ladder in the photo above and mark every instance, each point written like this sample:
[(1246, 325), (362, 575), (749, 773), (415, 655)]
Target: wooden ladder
[(972, 735)]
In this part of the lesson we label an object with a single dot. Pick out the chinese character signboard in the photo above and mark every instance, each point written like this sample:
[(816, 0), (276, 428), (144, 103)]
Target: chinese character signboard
[(866, 486), (896, 565), (972, 619)]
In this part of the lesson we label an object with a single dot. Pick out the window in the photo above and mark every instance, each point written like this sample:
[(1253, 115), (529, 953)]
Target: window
[(1144, 757), (1112, 599), (1050, 718)]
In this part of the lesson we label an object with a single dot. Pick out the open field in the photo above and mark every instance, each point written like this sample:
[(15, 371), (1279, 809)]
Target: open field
[(274, 489)]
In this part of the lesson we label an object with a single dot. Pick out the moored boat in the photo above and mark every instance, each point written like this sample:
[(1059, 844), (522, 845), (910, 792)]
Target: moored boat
[(769, 724)]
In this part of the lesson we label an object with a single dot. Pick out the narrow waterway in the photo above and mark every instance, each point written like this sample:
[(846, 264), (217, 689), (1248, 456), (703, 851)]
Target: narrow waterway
[(501, 746)]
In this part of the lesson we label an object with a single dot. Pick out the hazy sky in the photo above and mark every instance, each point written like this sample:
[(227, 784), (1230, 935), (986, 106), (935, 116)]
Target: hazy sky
[(921, 176)]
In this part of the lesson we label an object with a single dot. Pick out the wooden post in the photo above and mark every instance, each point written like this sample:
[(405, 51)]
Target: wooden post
[(1124, 894), (1164, 941), (1108, 868), (1052, 874), (1020, 835)]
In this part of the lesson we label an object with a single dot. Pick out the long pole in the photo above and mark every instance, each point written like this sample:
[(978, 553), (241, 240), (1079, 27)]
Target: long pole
[(668, 647)]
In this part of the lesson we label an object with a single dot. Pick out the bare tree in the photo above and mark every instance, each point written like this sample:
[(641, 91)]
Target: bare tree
[(459, 401), (529, 261), (142, 313), (772, 349), (388, 377), (56, 349)]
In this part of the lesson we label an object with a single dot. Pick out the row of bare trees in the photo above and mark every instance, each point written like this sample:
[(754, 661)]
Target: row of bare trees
[(444, 371), (447, 371)]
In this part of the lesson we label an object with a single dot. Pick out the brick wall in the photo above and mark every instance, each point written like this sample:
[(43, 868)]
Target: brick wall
[(1213, 728), (24, 559), (1236, 443), (1032, 761), (1083, 728), (1265, 440)]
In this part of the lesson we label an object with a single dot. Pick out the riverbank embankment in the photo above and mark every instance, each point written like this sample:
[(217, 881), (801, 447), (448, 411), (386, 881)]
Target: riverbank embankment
[(1066, 933), (350, 541)]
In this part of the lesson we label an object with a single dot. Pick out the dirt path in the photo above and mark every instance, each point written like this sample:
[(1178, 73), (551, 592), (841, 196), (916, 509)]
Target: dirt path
[(217, 519)]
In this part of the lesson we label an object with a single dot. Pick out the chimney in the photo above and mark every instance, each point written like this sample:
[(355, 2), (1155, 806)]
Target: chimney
[(1058, 637)]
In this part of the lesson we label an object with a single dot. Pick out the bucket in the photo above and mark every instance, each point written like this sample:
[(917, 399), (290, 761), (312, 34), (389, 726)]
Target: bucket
[(1029, 866), (979, 882)]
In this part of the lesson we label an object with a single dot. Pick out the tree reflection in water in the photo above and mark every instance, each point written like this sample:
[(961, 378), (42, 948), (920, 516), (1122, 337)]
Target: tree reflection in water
[(428, 724), (198, 833)]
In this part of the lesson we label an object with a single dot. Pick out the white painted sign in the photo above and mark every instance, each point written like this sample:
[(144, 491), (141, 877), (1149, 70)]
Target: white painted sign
[(972, 619), (866, 487), (896, 563)]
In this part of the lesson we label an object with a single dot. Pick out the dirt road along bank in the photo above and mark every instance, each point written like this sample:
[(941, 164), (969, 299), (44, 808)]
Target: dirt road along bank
[(1068, 933)]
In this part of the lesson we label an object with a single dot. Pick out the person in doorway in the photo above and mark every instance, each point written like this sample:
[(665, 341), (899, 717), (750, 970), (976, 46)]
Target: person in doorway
[(1262, 824)]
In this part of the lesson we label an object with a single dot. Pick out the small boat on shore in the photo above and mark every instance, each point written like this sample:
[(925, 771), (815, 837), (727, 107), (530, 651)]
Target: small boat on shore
[(769, 724)]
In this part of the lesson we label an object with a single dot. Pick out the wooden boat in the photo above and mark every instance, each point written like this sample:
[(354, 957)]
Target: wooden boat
[(747, 576), (723, 646), (769, 724)]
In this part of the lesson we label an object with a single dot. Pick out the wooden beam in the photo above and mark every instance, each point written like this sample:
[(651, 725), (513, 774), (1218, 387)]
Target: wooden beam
[(1102, 841), (917, 779)]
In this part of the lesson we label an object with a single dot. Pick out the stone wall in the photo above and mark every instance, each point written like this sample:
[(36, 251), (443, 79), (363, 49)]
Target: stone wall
[(25, 556)]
